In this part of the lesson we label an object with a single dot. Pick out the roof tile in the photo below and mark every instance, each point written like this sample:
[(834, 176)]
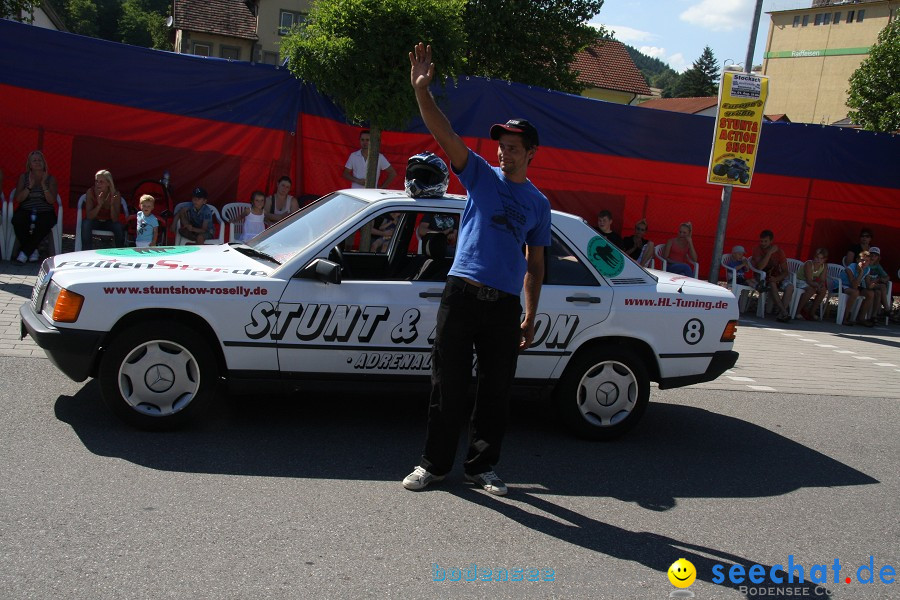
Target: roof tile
[(607, 65), (222, 17), (690, 106)]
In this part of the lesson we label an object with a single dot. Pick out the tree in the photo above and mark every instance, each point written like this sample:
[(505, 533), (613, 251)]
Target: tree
[(668, 82), (874, 92), (702, 79), (355, 52), (19, 10), (135, 22), (530, 42), (141, 24)]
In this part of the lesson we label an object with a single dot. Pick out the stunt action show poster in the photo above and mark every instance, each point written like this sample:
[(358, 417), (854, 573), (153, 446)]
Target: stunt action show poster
[(742, 98)]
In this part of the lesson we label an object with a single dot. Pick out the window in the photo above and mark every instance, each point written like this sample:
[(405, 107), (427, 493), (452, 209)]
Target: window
[(818, 20), (805, 20), (562, 267), (288, 19), (230, 52), (270, 58), (837, 18), (860, 14), (849, 16), (201, 49), (796, 21), (827, 19)]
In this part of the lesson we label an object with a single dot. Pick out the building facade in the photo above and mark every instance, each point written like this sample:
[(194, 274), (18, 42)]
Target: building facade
[(247, 30), (812, 52)]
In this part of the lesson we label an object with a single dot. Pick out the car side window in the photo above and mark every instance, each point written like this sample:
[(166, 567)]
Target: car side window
[(563, 267)]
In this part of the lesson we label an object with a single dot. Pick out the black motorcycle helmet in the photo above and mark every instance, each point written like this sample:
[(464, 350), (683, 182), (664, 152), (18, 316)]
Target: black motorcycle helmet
[(427, 176)]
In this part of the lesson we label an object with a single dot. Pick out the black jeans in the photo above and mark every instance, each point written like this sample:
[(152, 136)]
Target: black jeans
[(493, 329), (21, 222)]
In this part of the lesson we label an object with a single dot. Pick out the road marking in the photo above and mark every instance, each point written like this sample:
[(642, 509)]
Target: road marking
[(863, 358), (826, 345), (845, 351), (886, 364), (791, 334), (762, 388), (741, 378), (806, 340)]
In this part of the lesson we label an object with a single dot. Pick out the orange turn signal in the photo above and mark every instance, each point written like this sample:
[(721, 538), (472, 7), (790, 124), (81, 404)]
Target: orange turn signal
[(68, 306), (730, 332)]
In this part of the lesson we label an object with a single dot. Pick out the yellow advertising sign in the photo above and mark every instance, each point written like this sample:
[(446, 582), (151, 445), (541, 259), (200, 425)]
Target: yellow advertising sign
[(742, 98)]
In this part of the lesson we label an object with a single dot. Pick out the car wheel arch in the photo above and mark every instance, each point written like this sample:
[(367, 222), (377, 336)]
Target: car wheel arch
[(640, 347), (177, 316)]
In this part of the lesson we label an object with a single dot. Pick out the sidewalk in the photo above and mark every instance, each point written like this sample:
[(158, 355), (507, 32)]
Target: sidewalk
[(800, 357)]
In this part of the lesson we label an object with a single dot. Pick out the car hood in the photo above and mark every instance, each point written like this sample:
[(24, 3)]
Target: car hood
[(164, 263), (670, 282)]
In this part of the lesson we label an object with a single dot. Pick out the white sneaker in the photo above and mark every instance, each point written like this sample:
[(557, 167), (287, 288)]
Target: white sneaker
[(490, 482), (419, 479), (35, 256), (21, 258)]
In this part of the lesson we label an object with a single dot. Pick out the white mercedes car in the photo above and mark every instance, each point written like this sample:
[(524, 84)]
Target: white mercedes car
[(331, 298)]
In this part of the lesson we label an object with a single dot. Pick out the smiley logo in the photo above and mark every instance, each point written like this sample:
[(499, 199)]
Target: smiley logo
[(682, 573)]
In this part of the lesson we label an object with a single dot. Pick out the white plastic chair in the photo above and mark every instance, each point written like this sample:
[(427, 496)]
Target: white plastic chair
[(740, 291), (795, 300), (218, 239), (230, 212), (79, 244), (834, 275), (763, 295), (793, 266), (4, 227), (658, 251)]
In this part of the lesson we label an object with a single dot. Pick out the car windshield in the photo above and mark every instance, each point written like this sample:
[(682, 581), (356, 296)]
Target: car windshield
[(299, 231)]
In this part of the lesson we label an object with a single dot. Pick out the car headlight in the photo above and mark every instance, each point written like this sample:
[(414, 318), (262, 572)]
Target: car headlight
[(60, 304)]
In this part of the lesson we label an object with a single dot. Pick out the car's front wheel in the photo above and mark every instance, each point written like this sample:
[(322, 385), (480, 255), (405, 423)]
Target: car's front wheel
[(603, 392), (158, 375)]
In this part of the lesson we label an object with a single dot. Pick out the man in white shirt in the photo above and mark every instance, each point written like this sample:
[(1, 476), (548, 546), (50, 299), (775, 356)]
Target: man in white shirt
[(355, 169)]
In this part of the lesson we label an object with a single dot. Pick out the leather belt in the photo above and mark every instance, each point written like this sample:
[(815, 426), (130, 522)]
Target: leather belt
[(485, 293)]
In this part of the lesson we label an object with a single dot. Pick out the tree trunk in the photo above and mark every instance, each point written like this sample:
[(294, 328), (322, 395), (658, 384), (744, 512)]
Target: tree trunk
[(365, 242)]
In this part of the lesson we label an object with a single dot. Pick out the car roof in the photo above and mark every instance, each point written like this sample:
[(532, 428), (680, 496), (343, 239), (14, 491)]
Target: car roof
[(373, 196)]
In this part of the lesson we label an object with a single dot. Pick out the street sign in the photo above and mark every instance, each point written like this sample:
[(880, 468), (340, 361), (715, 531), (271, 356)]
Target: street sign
[(742, 98)]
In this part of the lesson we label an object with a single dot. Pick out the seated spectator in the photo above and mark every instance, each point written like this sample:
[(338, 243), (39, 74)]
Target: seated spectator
[(102, 205), (771, 259), (679, 252), (812, 278), (878, 280), (35, 216), (196, 221), (281, 203), (253, 217), (853, 278), (383, 231), (447, 224), (637, 246), (865, 240), (604, 226), (147, 229), (738, 261)]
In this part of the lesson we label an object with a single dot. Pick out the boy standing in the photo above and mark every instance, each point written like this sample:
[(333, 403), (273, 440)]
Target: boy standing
[(196, 222), (147, 223)]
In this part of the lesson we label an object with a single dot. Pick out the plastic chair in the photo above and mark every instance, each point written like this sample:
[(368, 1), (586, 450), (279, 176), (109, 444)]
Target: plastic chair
[(79, 244), (795, 300), (739, 290), (763, 295), (793, 266), (230, 212), (4, 227), (55, 235), (834, 282), (658, 251), (218, 223)]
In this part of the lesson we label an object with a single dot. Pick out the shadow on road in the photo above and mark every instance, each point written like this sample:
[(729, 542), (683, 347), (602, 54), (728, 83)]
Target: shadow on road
[(676, 452)]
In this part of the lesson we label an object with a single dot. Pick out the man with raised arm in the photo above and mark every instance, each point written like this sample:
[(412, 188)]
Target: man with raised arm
[(500, 248)]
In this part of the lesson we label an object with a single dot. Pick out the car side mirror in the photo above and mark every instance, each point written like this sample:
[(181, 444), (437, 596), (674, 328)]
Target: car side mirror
[(322, 269)]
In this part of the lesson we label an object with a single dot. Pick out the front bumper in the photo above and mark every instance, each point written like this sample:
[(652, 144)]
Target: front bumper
[(73, 351), (721, 362)]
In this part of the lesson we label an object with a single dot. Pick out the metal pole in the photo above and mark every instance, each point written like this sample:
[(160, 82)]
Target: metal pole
[(726, 190)]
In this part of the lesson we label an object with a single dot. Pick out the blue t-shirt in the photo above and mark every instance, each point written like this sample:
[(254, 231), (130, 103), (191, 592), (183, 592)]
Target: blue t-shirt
[(197, 217), (145, 227), (500, 217), (854, 267)]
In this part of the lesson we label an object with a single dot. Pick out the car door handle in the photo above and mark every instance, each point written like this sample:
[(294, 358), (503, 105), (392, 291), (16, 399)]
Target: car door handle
[(591, 299), (430, 294)]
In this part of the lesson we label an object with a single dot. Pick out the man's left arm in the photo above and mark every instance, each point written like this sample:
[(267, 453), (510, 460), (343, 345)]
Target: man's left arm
[(391, 174), (534, 277)]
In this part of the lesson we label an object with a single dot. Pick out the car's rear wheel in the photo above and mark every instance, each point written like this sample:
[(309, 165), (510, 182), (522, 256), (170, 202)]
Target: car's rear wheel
[(158, 375), (603, 392)]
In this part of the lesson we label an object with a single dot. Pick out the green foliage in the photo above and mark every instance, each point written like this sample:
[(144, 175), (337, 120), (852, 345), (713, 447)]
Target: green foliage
[(139, 25), (531, 42), (874, 92), (81, 17), (356, 52), (668, 82), (651, 68), (702, 79), (18, 9), (136, 22)]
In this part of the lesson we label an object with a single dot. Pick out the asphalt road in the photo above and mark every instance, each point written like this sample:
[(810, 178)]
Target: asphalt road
[(302, 499)]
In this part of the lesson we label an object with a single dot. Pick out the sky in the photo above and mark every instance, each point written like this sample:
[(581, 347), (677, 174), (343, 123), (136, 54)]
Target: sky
[(676, 31)]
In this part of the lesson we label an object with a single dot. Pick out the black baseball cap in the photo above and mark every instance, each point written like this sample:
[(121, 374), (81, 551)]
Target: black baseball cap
[(520, 126), (199, 192)]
